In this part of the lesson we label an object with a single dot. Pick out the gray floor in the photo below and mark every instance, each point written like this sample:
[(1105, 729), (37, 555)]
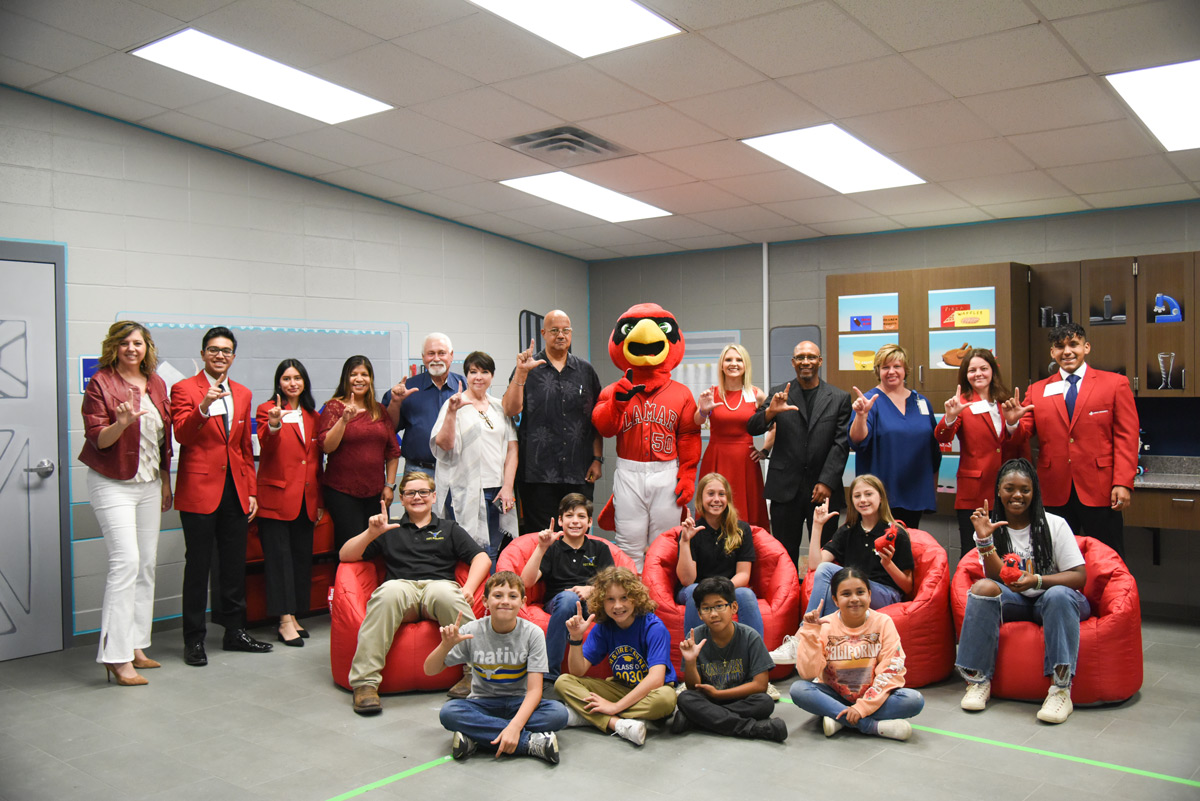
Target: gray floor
[(274, 726)]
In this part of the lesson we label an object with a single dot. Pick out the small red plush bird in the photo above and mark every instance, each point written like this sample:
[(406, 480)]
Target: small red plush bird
[(1012, 568), (887, 538)]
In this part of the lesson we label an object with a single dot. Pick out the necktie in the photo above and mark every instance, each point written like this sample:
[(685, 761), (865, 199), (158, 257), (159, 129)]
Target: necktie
[(229, 405), (1072, 394)]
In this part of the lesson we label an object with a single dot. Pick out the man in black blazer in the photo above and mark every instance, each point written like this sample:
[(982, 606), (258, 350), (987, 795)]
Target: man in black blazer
[(811, 421)]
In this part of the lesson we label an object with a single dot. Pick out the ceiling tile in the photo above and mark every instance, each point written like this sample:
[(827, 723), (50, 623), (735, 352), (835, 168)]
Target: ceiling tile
[(606, 235), (648, 249), (288, 158), (743, 218), (1014, 188), (710, 242), (1188, 163), (43, 46), (436, 204), (819, 35), (631, 174), (491, 161), (593, 254), (393, 75), (696, 14), (676, 67), (1138, 197), (1140, 36), (718, 160), (146, 81), (487, 113), (925, 219), (1111, 176), (909, 199), (117, 23), (91, 97), (422, 173), (1037, 208), (196, 130), (869, 225), (964, 160), (490, 196), (284, 30), (409, 131), (185, 9), (666, 228), (486, 47), (1103, 141), (689, 198), (342, 147), (388, 19), (881, 84), (822, 209), (1061, 104), (497, 224), (918, 126), (651, 129), (574, 92), (921, 23), (370, 184), (789, 233), (772, 187), (754, 110), (243, 113), (1057, 9), (18, 73), (1020, 57), (552, 240), (552, 216)]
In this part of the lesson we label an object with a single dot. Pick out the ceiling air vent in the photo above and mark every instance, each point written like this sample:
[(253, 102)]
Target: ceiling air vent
[(566, 146)]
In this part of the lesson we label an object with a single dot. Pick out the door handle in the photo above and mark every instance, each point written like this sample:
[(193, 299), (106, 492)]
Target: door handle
[(44, 469)]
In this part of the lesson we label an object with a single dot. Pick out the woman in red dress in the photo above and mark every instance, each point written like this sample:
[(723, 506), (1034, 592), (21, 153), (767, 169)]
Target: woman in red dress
[(731, 452)]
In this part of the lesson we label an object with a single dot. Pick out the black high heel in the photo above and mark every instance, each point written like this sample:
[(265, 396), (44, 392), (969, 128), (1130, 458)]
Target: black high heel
[(296, 643)]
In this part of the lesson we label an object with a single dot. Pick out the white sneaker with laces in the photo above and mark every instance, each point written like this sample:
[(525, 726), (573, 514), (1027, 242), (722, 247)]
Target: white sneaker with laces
[(544, 745), (785, 654), (773, 692), (895, 729), (1057, 707), (976, 697), (632, 730), (830, 726)]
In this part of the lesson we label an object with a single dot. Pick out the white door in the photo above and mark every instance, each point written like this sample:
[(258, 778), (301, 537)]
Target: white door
[(30, 535)]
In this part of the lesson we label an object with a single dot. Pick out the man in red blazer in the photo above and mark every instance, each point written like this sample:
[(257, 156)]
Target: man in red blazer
[(215, 491), (1087, 429)]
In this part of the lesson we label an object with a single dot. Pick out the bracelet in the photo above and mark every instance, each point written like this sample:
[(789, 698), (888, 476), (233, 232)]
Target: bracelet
[(574, 642), (520, 384), (987, 550), (599, 459), (1039, 582)]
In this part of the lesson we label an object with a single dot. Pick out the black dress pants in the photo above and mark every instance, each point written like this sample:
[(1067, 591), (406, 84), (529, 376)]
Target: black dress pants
[(222, 531), (1102, 522), (287, 563), (351, 514)]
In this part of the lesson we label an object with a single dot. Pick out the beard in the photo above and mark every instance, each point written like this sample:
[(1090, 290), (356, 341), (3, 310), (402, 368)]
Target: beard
[(437, 368)]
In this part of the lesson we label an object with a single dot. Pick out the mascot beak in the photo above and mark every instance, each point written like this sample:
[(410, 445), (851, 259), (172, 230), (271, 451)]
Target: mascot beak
[(646, 345)]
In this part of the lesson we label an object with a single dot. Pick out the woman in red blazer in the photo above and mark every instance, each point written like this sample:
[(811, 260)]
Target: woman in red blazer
[(127, 448), (289, 495), (975, 416)]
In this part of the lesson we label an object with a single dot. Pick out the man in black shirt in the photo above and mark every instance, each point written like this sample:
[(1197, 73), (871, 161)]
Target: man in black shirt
[(559, 452), (420, 553)]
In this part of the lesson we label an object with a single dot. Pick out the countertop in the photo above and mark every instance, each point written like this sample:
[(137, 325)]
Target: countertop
[(1169, 472)]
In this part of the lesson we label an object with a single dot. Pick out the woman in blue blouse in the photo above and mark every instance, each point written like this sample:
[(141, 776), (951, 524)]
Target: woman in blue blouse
[(892, 437)]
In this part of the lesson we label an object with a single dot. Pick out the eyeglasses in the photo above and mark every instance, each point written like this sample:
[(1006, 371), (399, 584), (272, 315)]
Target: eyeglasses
[(713, 610), (213, 351), (806, 357), (556, 331), (421, 493), (487, 420)]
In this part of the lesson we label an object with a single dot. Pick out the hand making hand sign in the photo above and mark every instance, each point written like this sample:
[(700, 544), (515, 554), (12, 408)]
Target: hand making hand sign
[(861, 405), (130, 411)]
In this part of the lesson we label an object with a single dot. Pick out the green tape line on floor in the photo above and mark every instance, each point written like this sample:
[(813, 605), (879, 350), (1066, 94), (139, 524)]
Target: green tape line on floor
[(366, 788), (1040, 752)]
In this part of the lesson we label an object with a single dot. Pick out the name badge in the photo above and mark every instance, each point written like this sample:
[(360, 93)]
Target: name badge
[(980, 407), (292, 416), (1055, 388), (923, 406), (217, 408)]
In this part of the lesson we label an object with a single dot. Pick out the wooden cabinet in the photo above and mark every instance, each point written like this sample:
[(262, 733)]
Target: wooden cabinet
[(1163, 508), (1108, 293), (1054, 291), (1166, 330)]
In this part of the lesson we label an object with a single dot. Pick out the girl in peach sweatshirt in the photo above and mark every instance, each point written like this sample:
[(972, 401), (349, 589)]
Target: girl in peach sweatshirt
[(851, 665)]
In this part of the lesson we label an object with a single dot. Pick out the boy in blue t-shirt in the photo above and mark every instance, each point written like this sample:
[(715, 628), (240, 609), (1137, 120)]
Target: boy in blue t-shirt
[(637, 646), (507, 657)]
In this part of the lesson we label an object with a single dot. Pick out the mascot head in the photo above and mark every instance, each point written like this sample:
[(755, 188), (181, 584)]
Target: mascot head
[(646, 338)]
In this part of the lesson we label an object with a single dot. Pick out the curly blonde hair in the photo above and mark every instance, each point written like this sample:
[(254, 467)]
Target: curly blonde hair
[(117, 332), (634, 588)]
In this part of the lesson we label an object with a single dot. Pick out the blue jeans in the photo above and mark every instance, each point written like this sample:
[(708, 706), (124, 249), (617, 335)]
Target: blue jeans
[(495, 536), (561, 609), (819, 699), (1058, 611), (881, 594), (748, 611), (482, 719)]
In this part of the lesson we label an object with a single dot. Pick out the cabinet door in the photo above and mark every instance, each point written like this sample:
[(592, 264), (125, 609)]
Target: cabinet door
[(863, 312), (1166, 327), (1108, 313), (1053, 290)]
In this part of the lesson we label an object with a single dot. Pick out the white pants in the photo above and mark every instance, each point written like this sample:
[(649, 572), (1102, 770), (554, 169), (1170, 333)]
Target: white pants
[(643, 504), (130, 515)]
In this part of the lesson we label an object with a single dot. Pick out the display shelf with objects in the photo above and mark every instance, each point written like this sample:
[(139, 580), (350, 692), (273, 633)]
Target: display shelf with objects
[(1166, 330)]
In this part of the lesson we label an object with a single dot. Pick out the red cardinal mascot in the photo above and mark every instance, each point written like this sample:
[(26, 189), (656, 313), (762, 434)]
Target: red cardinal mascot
[(653, 419)]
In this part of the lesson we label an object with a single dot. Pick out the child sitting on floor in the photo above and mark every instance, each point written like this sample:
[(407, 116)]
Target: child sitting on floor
[(507, 657)]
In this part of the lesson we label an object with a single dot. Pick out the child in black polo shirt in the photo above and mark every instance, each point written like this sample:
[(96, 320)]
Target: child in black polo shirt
[(566, 561)]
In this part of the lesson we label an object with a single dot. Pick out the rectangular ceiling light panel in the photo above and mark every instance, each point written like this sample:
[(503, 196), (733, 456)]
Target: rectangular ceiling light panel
[(217, 61), (584, 27), (1167, 99), (835, 158), (576, 193)]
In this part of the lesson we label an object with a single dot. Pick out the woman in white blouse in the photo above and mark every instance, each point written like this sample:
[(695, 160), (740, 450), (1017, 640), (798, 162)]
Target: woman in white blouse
[(476, 450)]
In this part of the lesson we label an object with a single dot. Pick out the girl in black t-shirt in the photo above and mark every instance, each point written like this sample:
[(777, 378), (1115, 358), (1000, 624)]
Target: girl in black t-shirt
[(721, 545)]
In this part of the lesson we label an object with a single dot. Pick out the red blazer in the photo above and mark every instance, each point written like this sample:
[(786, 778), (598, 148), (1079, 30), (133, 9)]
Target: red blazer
[(205, 453), (105, 392), (289, 467), (1095, 450), (982, 451)]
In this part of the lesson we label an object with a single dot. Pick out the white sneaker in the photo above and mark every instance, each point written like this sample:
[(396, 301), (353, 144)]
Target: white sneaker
[(895, 729), (977, 696), (831, 726), (544, 745), (1057, 707), (679, 688), (773, 691), (632, 730), (785, 654), (574, 719)]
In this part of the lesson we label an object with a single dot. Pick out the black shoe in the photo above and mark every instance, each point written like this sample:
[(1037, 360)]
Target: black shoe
[(239, 640), (679, 722), (296, 643), (194, 655), (773, 729), (302, 632)]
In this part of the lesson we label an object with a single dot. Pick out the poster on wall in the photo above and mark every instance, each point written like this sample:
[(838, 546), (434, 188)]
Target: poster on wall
[(857, 351), (947, 349), (968, 307), (878, 312)]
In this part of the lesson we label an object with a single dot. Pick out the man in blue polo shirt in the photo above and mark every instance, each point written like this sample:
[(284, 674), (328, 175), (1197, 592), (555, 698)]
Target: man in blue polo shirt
[(413, 404)]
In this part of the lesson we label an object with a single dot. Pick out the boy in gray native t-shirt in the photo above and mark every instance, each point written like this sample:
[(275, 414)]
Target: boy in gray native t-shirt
[(507, 657)]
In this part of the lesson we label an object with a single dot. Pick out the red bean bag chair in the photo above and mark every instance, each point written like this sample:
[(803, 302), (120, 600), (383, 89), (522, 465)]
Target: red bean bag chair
[(924, 624), (404, 669), (516, 556), (1109, 668), (772, 577)]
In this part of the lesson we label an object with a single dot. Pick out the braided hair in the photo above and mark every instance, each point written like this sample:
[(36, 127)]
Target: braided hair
[(1039, 528)]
